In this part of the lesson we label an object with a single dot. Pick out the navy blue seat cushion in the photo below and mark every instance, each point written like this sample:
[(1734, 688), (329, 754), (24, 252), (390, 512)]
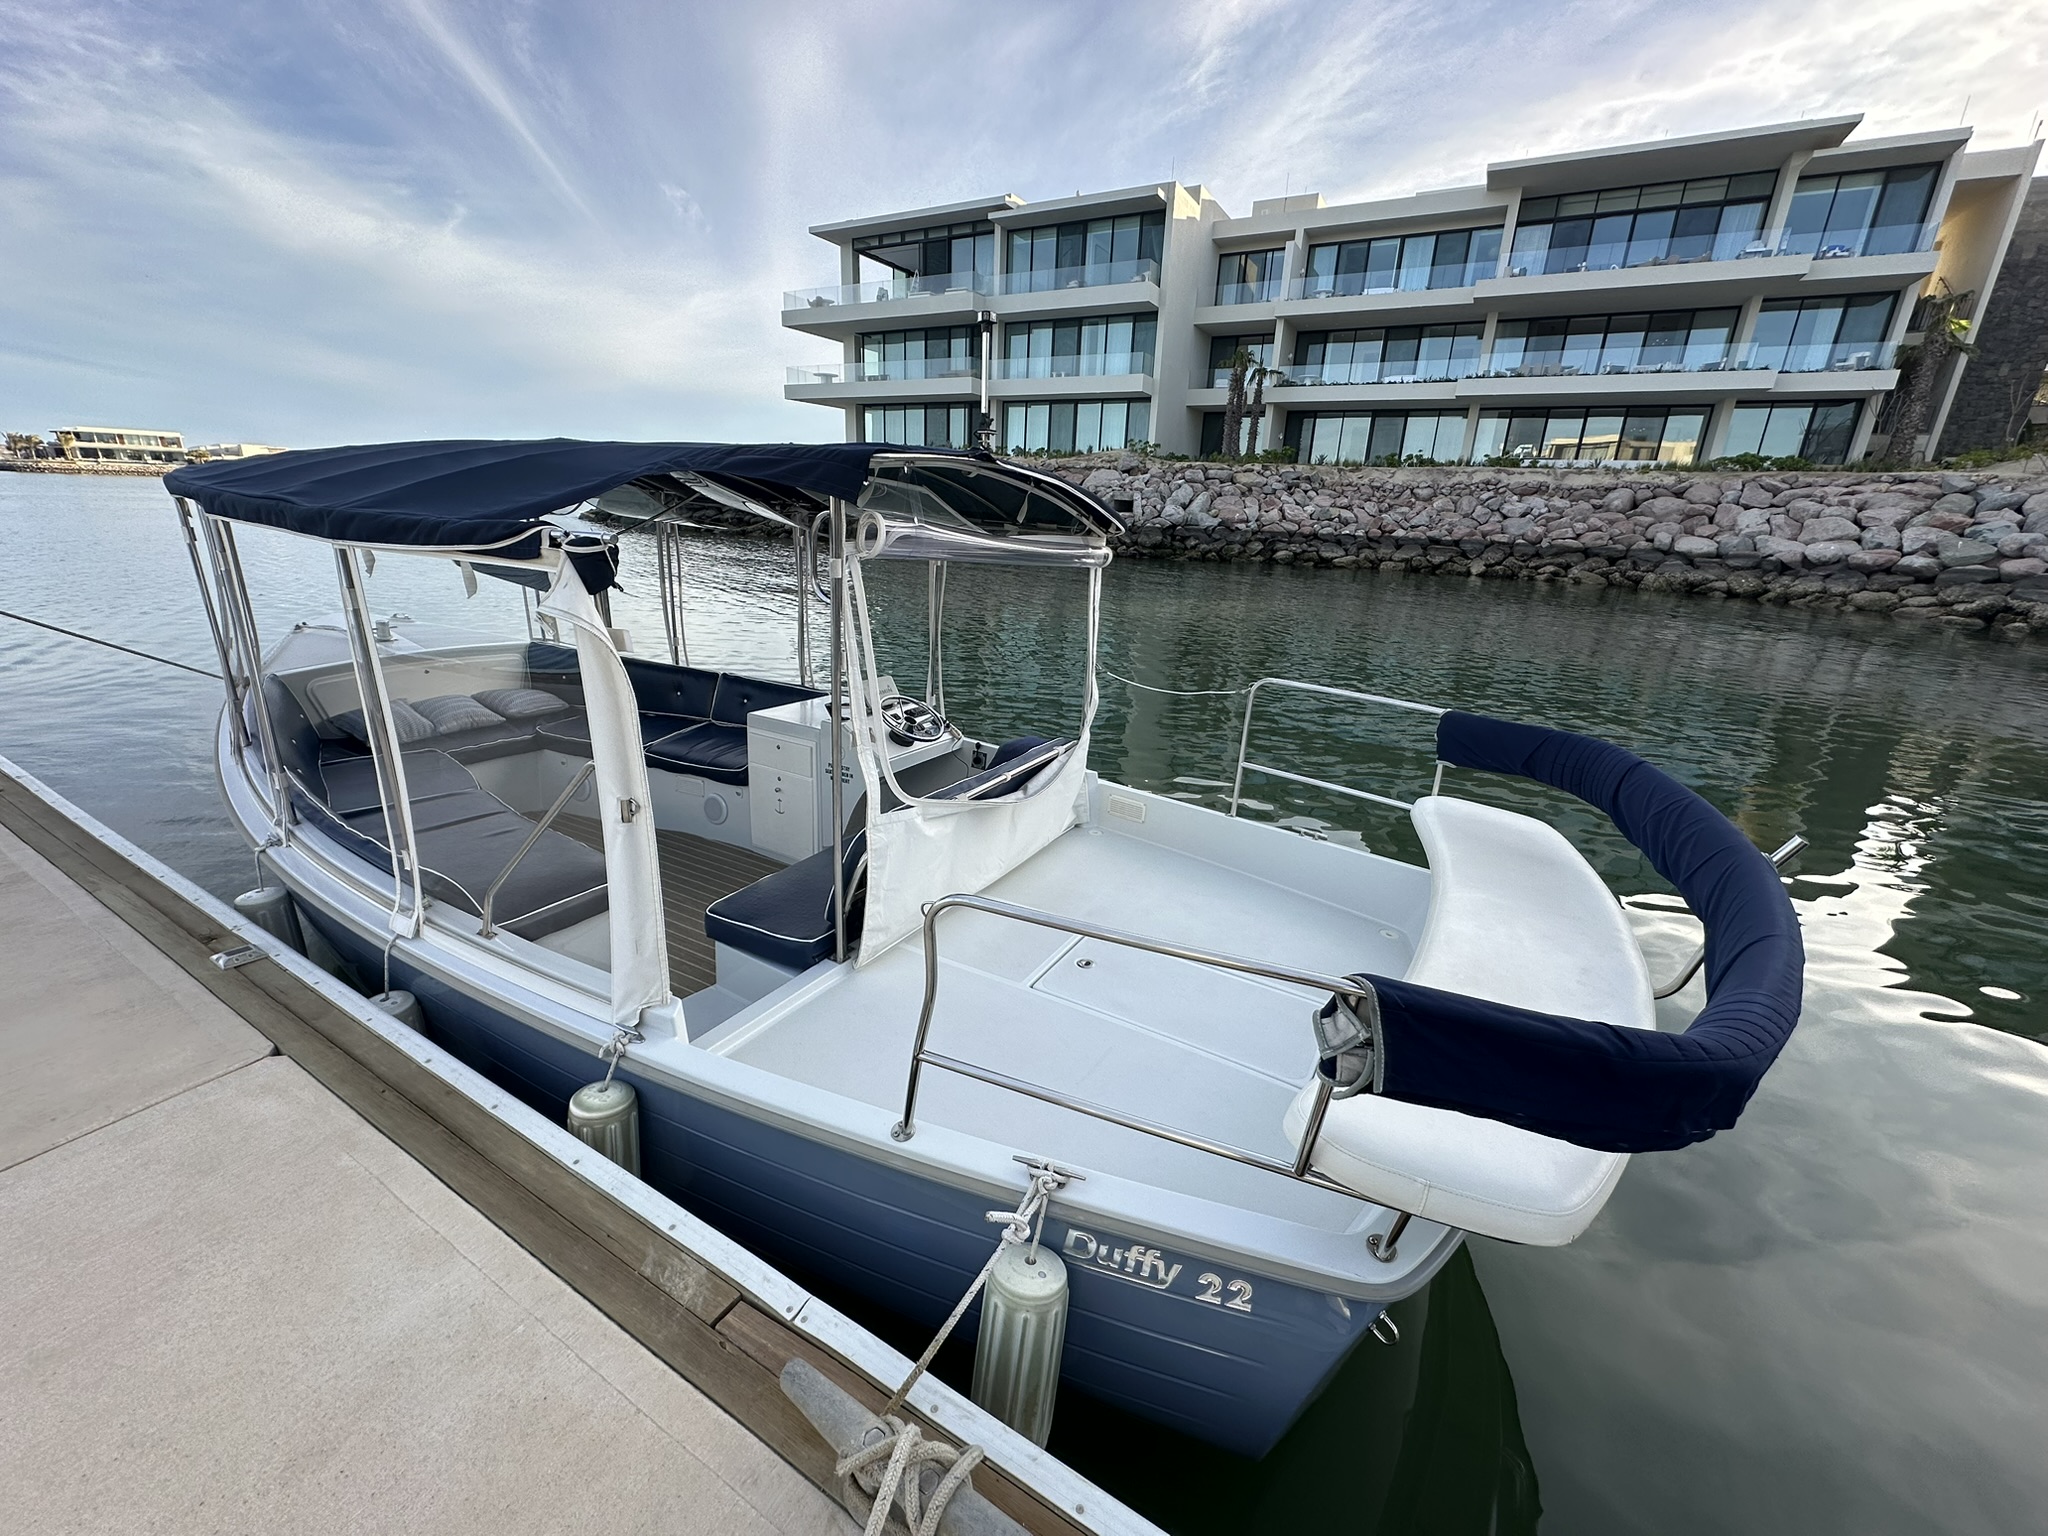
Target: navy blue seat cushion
[(1005, 773), (664, 689), (710, 751), (1016, 746), (349, 785), (786, 918), (739, 697)]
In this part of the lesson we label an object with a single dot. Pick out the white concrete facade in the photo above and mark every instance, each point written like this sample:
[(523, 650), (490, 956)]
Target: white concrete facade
[(1678, 300)]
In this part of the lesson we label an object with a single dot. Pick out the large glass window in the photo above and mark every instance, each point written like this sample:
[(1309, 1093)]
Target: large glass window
[(940, 352), (942, 259), (1455, 258), (917, 426), (1819, 431), (1074, 426), (1713, 218), (1223, 348), (1405, 354), (1860, 213), (1667, 341), (1600, 434), (1819, 335), (1085, 253), (1097, 347), (1375, 437), (1249, 277)]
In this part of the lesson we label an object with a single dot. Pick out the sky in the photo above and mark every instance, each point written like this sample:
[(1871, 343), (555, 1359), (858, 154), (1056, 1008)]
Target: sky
[(306, 223)]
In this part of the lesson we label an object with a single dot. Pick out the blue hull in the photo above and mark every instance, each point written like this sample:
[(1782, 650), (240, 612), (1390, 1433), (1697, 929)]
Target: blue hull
[(1228, 1359)]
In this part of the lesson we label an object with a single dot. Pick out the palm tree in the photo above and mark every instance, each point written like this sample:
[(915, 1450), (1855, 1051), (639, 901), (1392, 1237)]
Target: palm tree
[(1241, 362), (1257, 409)]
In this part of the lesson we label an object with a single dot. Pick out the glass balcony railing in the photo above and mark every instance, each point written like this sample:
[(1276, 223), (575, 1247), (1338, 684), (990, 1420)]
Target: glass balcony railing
[(1555, 367), (1416, 371), (888, 290), (1087, 365), (1833, 357), (875, 371), (1346, 285), (1264, 291), (1096, 274)]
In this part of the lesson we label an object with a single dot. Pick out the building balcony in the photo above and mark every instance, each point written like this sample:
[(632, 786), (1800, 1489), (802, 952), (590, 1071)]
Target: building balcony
[(1836, 357), (860, 383), (1086, 365), (867, 371), (889, 303), (1096, 274)]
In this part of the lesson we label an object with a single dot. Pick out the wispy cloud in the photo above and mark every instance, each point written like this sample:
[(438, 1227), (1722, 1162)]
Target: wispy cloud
[(348, 220)]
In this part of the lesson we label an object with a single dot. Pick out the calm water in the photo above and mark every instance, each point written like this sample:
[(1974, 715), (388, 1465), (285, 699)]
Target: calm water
[(1834, 1318)]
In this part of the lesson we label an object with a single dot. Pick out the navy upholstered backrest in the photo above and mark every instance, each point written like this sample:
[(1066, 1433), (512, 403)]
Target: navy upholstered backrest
[(663, 689), (739, 697), (298, 744), (1583, 1080)]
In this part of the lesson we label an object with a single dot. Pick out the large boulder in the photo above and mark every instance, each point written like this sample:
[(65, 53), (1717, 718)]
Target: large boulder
[(1831, 551), (1958, 503), (1818, 530), (1968, 552)]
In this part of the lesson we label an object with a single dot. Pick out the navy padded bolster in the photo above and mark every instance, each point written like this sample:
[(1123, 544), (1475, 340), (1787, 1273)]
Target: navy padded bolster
[(786, 917), (1601, 1085), (711, 751)]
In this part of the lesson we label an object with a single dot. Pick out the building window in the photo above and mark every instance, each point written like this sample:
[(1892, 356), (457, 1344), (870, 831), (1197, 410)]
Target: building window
[(944, 259), (940, 352), (1403, 354), (917, 426), (1670, 341), (1818, 432), (1086, 253), (1250, 277), (1074, 426), (1100, 347), (1223, 348), (1652, 435), (1861, 213), (1822, 335), (1375, 437), (1454, 258), (1716, 218)]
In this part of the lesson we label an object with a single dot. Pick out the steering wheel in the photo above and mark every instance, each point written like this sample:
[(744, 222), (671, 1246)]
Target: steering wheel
[(912, 721)]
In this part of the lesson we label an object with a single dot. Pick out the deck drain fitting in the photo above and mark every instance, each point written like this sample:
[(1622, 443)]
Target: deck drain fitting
[(1083, 964)]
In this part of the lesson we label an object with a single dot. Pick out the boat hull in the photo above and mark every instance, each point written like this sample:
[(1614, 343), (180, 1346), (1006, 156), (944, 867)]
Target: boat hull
[(1228, 1358)]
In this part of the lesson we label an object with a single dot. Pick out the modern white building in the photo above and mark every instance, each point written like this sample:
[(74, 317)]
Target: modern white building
[(1671, 301), (121, 445)]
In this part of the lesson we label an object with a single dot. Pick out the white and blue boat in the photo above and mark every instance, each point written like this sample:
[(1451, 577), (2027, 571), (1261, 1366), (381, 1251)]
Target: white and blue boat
[(864, 966)]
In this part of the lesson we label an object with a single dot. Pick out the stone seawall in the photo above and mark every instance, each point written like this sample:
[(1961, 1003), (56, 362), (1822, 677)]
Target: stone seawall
[(1957, 551), (82, 467)]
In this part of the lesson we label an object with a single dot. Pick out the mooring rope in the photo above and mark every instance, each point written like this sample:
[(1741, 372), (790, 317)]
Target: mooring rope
[(902, 1444), (1178, 693), (129, 650)]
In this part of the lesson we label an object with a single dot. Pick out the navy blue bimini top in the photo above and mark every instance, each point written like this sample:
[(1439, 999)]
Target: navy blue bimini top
[(481, 496), (1601, 1085)]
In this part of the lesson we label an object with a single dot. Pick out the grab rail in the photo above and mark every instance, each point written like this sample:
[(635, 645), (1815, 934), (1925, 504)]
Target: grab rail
[(1244, 742), (922, 1055), (491, 891)]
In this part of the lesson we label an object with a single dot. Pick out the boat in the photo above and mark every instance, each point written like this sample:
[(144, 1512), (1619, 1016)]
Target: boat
[(872, 974)]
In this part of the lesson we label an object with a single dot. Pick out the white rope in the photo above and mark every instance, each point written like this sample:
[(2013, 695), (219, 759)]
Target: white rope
[(902, 1448), (1178, 693), (906, 1453)]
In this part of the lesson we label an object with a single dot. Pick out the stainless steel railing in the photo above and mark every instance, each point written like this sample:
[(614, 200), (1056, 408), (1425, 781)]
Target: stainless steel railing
[(1244, 743), (922, 1056), (491, 891)]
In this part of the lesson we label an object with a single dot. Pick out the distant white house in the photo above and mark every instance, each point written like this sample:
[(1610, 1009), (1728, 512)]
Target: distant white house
[(123, 445)]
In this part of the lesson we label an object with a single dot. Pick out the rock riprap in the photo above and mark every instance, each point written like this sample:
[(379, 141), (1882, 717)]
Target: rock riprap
[(1956, 551)]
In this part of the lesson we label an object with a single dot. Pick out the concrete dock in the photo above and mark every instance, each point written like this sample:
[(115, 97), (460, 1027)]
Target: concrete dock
[(230, 1303)]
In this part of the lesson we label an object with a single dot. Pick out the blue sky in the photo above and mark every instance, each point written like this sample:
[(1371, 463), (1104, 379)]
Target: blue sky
[(312, 223)]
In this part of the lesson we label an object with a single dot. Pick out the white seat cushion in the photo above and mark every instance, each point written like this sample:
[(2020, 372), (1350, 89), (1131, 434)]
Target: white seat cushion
[(1517, 917)]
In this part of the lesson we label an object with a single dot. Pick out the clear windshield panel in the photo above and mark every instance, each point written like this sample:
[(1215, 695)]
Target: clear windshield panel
[(1027, 627), (485, 710)]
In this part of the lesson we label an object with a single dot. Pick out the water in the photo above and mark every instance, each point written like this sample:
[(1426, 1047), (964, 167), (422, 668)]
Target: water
[(1834, 1317)]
